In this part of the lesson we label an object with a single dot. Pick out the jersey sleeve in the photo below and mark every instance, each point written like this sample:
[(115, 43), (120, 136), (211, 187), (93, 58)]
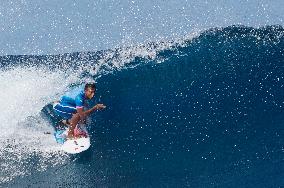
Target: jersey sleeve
[(79, 101)]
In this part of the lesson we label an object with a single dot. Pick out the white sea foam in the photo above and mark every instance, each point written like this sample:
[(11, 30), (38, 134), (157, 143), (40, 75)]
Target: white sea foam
[(24, 91)]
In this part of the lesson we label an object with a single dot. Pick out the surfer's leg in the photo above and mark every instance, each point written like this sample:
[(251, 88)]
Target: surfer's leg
[(73, 122)]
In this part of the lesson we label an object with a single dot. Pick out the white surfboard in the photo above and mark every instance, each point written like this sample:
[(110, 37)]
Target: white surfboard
[(76, 145)]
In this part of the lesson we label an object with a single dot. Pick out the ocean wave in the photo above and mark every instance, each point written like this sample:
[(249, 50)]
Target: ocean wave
[(176, 90)]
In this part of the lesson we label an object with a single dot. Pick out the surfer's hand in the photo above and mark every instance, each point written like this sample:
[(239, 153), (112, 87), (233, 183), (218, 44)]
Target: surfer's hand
[(99, 106)]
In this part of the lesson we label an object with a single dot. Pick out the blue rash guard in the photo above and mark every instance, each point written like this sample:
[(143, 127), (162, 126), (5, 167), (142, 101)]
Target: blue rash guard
[(69, 103)]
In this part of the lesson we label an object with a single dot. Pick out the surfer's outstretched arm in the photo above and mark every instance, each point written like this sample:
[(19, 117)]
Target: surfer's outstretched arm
[(83, 114)]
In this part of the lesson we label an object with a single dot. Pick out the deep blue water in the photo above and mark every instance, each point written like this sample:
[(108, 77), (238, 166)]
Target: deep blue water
[(209, 115)]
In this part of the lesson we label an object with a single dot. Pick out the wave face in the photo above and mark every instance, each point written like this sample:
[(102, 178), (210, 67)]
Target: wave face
[(198, 112)]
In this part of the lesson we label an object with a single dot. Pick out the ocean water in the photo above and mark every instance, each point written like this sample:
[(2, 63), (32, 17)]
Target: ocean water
[(201, 111)]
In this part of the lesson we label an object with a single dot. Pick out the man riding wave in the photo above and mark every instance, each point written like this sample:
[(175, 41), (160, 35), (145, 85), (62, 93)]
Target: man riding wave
[(71, 108)]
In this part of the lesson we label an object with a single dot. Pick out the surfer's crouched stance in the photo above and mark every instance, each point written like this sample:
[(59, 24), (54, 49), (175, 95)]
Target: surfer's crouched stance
[(71, 108)]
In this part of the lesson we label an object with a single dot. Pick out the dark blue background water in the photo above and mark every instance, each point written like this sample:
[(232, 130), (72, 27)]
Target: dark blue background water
[(210, 115)]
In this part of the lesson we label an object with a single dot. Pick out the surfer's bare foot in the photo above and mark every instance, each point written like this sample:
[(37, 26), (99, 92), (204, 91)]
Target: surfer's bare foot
[(71, 137), (75, 137)]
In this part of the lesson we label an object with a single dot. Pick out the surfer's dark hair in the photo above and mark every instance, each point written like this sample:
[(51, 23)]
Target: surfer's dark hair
[(90, 85)]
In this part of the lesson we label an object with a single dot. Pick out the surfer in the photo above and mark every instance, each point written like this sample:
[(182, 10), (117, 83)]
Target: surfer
[(71, 108)]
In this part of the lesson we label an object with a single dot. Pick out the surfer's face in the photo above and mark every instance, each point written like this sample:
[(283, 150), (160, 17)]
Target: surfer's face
[(89, 93)]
